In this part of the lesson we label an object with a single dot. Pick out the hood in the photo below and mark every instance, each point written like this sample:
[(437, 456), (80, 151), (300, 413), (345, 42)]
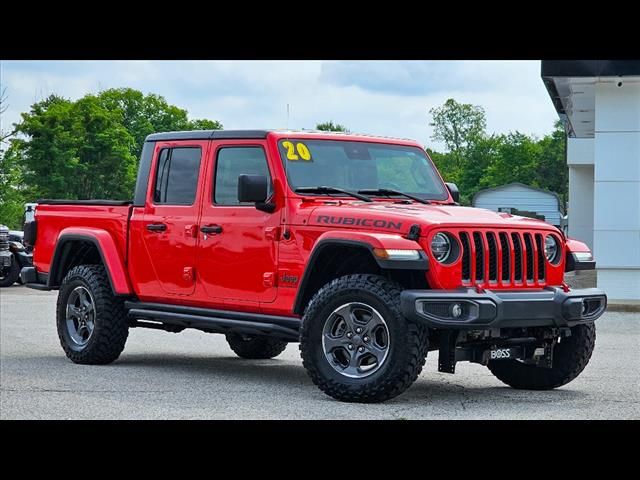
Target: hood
[(400, 217)]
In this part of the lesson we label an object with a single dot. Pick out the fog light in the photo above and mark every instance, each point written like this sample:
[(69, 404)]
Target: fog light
[(456, 310)]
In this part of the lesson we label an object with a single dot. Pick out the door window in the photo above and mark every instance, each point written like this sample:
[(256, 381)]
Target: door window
[(230, 164), (177, 176)]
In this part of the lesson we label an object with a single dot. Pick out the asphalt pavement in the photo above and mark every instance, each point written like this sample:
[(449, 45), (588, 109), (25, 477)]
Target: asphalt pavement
[(193, 375)]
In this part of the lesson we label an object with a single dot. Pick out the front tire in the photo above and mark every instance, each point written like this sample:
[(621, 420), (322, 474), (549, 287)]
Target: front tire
[(255, 348), (355, 344), (570, 357), (91, 320)]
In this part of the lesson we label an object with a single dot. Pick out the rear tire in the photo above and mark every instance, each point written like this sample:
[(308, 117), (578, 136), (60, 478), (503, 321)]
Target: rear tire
[(355, 344), (570, 357), (11, 273), (91, 320), (255, 348)]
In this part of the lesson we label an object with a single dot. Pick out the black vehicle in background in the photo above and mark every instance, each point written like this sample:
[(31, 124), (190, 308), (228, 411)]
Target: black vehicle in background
[(13, 256)]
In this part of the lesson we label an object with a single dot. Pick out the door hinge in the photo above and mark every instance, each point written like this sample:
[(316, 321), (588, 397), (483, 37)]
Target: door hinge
[(272, 233), (268, 279), (191, 231), (188, 274)]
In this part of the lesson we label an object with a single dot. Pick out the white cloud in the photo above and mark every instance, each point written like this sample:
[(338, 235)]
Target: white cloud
[(379, 97)]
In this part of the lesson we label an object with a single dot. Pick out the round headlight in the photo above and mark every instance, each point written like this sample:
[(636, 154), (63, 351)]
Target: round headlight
[(551, 248), (440, 247)]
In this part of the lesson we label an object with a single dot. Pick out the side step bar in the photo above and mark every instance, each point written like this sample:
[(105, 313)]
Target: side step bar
[(176, 318)]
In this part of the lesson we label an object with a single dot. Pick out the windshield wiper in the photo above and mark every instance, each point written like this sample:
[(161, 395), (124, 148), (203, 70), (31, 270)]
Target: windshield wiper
[(388, 192), (326, 189)]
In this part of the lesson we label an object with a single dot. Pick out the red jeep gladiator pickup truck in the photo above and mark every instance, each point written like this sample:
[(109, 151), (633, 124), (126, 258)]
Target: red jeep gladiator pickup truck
[(351, 245)]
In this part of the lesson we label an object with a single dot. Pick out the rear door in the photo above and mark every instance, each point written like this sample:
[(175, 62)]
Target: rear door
[(169, 224)]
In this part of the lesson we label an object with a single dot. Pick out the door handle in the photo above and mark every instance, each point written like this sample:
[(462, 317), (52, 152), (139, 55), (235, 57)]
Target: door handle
[(156, 227), (211, 229)]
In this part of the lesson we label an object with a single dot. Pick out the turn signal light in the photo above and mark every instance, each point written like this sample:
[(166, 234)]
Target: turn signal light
[(392, 254)]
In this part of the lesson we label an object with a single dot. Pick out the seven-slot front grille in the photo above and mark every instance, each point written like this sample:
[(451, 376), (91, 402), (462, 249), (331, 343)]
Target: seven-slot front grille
[(502, 258)]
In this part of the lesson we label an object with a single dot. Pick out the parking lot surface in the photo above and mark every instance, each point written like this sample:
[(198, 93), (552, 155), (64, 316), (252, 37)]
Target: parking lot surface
[(195, 375)]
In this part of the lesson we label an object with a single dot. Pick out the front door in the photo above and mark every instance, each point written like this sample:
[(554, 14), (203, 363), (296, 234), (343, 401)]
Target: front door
[(237, 256), (169, 224)]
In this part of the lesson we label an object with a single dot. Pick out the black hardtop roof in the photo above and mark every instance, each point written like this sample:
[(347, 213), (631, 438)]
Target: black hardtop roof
[(206, 135), (257, 134)]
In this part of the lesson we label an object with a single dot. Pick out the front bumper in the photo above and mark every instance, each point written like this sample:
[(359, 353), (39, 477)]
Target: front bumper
[(466, 309)]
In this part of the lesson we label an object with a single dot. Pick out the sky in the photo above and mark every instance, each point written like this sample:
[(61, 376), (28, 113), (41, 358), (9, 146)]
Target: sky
[(390, 98)]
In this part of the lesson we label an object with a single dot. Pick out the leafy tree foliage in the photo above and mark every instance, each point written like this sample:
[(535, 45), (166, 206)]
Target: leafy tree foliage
[(146, 114), (331, 127), (458, 126), (76, 150), (475, 160), (12, 194), (83, 149), (552, 171)]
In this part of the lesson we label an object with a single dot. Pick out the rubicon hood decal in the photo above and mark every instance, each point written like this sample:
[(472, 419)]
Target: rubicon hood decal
[(358, 222)]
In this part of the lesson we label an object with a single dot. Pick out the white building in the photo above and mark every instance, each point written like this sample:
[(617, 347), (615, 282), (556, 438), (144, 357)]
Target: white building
[(521, 197), (599, 104)]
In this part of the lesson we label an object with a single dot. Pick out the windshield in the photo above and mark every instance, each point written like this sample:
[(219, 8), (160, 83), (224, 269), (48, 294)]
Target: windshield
[(360, 166)]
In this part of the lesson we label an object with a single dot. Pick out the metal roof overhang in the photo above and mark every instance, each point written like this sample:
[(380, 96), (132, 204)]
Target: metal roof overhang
[(571, 86)]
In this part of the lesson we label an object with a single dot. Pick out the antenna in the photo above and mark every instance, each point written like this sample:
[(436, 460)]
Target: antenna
[(285, 231)]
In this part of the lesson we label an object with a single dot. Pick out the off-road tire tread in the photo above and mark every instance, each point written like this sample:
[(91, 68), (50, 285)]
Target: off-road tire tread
[(416, 340), (112, 328), (570, 358), (258, 348)]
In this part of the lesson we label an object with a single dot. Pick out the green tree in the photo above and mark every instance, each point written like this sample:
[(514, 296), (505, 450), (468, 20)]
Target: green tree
[(146, 114), (516, 161), (552, 171), (12, 195), (76, 150), (203, 124), (331, 127), (458, 126), (478, 157), (90, 148), (4, 106)]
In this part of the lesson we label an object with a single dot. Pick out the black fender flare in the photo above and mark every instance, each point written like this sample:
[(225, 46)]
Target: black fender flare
[(322, 245), (60, 254)]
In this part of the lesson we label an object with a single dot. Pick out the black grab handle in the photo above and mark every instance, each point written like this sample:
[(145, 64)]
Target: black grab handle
[(156, 227), (211, 229)]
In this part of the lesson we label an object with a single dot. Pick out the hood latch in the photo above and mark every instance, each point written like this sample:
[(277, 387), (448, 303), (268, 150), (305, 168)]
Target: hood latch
[(414, 232)]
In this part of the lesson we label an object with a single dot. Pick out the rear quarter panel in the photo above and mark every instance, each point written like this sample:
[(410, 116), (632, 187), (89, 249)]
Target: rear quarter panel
[(53, 219)]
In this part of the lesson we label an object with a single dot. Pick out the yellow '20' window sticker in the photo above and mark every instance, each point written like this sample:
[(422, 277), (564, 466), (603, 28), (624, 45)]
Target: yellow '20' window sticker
[(297, 151)]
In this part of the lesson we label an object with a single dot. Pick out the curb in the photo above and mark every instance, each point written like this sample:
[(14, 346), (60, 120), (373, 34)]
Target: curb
[(631, 306)]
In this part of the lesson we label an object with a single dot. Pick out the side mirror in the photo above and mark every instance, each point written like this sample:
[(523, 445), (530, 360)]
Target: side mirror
[(255, 189), (252, 188), (453, 190)]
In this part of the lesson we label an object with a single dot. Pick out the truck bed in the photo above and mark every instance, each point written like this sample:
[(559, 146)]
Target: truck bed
[(55, 217)]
